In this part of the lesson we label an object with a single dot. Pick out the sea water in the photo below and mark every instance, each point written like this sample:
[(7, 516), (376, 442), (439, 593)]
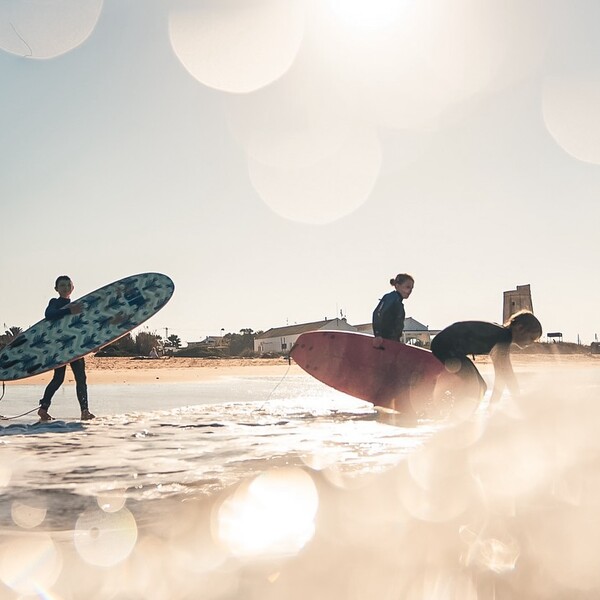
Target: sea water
[(161, 440), (270, 487)]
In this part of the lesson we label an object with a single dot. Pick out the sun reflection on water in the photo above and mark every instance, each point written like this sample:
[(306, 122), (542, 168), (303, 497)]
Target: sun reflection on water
[(273, 514)]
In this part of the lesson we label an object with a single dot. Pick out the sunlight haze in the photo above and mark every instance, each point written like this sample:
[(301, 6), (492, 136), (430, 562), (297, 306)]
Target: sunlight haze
[(281, 160)]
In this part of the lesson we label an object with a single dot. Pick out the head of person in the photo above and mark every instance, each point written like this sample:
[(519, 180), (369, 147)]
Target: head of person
[(403, 284), (64, 286), (525, 328)]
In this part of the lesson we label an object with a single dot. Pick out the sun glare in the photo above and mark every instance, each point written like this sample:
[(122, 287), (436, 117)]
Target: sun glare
[(274, 514), (103, 538), (367, 14)]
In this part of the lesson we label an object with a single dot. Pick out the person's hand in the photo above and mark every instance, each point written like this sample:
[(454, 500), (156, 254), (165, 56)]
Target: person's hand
[(75, 308), (378, 343)]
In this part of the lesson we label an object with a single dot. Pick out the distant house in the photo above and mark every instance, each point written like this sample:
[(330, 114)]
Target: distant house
[(281, 339), (414, 332), (210, 341)]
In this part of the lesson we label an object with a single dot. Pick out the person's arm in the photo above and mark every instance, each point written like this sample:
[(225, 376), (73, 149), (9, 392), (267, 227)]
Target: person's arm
[(504, 376), (399, 317), (54, 312), (380, 317)]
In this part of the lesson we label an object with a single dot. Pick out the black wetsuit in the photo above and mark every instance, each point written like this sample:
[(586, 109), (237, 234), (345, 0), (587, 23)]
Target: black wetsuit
[(58, 308), (388, 317), (469, 337)]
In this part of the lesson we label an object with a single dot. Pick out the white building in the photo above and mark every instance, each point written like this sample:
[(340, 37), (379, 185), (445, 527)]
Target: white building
[(211, 341), (281, 339), (414, 332)]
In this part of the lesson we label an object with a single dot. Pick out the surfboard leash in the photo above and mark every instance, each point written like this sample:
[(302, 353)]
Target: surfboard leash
[(3, 418), (278, 384)]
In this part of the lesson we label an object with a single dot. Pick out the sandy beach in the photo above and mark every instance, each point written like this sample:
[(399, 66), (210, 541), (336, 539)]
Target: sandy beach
[(119, 370), (170, 370)]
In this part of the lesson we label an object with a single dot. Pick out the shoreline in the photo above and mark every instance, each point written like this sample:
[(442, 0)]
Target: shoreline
[(125, 370)]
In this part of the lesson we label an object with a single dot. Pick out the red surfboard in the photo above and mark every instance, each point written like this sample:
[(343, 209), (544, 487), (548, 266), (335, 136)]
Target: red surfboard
[(392, 375)]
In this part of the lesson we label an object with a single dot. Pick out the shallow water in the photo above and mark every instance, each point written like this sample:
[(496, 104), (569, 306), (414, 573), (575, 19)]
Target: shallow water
[(181, 439), (283, 488)]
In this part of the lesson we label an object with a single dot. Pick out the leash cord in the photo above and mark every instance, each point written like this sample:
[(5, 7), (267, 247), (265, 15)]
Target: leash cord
[(2, 417), (278, 384)]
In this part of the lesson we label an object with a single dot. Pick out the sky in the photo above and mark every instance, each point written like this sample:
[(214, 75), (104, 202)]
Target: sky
[(281, 160)]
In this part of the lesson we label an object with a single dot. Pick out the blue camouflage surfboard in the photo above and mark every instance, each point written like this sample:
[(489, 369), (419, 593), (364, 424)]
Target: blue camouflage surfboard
[(108, 314)]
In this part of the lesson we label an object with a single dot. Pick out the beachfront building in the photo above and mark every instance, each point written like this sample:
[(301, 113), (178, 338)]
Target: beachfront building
[(280, 340), (211, 341), (414, 332)]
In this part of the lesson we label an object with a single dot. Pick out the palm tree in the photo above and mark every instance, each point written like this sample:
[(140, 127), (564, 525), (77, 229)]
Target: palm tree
[(9, 335), (13, 332), (174, 341)]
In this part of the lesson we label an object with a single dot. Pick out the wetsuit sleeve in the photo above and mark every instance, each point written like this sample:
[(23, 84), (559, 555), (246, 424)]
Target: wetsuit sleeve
[(56, 311), (399, 321), (382, 317), (377, 319)]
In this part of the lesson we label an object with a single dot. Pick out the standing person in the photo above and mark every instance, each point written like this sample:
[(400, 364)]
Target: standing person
[(452, 345), (58, 308), (389, 315)]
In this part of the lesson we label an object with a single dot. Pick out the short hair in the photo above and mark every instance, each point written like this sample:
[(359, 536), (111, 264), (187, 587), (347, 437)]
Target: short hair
[(527, 321), (401, 278), (61, 278)]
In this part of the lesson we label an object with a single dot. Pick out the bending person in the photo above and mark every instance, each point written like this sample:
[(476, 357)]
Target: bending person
[(453, 344)]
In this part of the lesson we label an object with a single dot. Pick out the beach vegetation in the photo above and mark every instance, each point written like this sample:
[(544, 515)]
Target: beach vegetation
[(9, 335), (130, 345), (553, 348), (145, 341), (173, 341), (200, 352), (124, 346), (241, 342), (248, 353)]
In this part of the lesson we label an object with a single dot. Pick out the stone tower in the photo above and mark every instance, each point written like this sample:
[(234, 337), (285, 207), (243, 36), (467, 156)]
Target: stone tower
[(516, 300)]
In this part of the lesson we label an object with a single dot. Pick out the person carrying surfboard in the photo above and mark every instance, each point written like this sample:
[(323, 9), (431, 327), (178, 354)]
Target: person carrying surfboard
[(58, 308), (454, 343), (389, 314)]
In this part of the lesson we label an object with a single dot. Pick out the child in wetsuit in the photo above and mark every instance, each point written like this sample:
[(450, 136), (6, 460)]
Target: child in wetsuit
[(58, 308), (452, 345), (389, 314)]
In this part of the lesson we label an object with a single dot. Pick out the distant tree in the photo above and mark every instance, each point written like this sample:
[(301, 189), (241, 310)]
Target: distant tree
[(9, 335), (145, 341), (13, 332), (124, 346), (173, 341), (241, 343)]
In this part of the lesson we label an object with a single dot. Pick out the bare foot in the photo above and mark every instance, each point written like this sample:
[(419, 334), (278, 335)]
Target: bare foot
[(44, 416), (86, 415)]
